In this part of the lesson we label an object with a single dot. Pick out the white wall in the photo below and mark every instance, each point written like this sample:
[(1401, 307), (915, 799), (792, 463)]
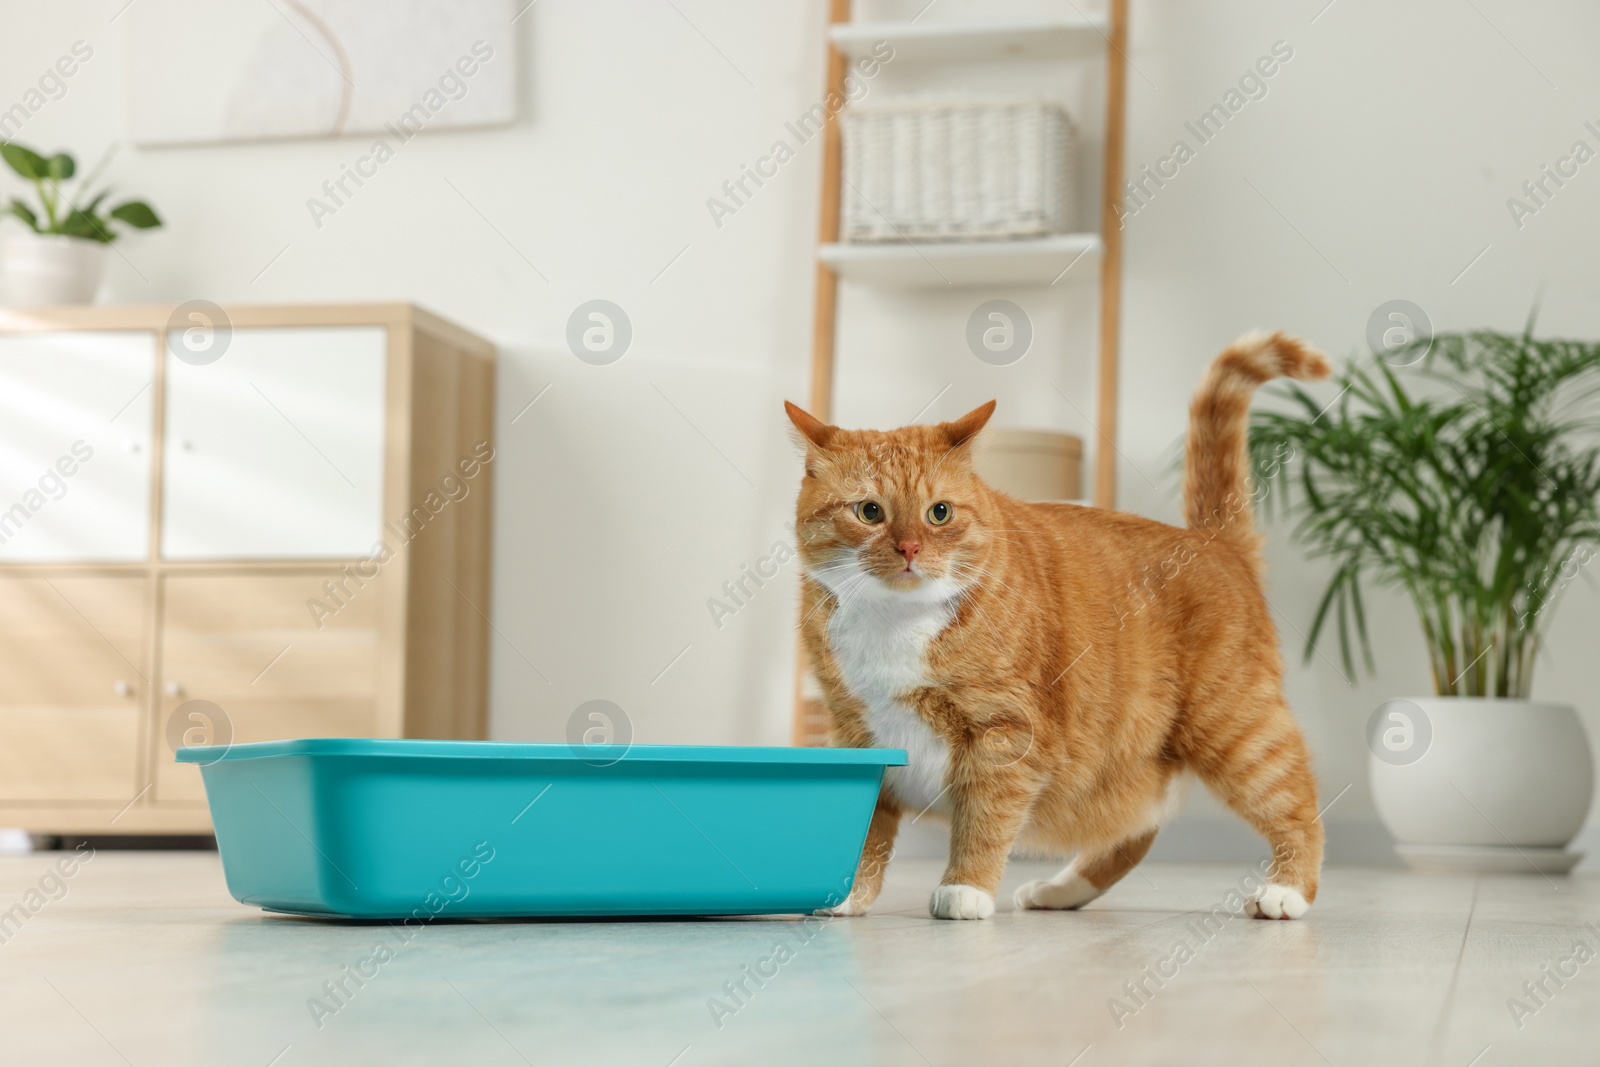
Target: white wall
[(1390, 142), (616, 519), (1386, 147)]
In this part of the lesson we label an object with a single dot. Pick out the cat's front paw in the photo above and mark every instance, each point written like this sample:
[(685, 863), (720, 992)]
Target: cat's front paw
[(851, 906), (1276, 902), (960, 902)]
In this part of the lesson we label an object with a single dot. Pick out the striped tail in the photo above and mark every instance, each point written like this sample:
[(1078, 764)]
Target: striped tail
[(1216, 489)]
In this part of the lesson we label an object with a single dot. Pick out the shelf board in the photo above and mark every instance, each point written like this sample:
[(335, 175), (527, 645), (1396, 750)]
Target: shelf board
[(1070, 257), (944, 42)]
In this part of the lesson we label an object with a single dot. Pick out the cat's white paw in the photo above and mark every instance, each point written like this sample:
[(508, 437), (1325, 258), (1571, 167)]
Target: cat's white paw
[(1276, 902), (1074, 892), (851, 906), (960, 902)]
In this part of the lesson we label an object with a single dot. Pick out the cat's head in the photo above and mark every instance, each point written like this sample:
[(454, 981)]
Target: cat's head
[(897, 511)]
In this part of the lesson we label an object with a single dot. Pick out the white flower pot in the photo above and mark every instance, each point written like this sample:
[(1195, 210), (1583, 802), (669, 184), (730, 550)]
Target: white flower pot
[(43, 269), (1477, 784)]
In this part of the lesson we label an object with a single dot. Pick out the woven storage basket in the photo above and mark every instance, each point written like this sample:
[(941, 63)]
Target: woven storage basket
[(964, 169)]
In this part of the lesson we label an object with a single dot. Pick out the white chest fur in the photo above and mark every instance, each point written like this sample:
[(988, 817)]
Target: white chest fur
[(880, 642)]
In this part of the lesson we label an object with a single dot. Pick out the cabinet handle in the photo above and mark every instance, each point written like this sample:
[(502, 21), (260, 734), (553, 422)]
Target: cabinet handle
[(174, 689), (122, 688)]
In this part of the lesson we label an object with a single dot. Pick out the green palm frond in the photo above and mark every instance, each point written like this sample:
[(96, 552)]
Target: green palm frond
[(1470, 480)]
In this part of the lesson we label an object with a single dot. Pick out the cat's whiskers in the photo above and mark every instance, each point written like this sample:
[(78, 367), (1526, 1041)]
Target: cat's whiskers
[(852, 590), (990, 577), (968, 593), (1006, 605), (836, 568), (845, 563), (834, 596)]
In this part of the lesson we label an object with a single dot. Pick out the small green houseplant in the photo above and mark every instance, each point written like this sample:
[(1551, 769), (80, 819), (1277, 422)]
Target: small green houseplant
[(70, 216), (60, 258), (1465, 472), (1478, 494)]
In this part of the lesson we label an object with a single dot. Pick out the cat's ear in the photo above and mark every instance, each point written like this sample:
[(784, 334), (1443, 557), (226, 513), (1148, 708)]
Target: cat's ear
[(812, 428), (967, 426)]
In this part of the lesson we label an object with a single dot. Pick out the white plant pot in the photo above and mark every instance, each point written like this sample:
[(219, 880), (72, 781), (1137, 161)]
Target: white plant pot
[(1478, 784), (44, 269)]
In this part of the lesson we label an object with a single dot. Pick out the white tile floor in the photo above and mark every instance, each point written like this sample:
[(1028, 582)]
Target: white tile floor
[(147, 961)]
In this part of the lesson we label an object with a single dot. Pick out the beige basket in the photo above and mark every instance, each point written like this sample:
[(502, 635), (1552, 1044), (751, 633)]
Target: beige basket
[(966, 169), (1031, 464)]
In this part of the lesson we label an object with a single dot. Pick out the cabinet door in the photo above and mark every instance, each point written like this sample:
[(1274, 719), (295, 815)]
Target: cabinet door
[(75, 418), (275, 450), (251, 646), (74, 677)]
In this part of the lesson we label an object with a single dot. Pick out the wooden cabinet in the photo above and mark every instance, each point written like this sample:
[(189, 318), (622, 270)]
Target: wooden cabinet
[(74, 670), (275, 451), (76, 417), (289, 540), (247, 644)]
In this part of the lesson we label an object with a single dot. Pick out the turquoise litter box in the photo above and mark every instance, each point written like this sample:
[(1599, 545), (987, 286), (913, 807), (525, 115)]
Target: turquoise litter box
[(424, 830)]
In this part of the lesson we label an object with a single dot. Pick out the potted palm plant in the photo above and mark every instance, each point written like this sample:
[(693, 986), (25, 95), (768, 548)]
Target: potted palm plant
[(1471, 482), (59, 257)]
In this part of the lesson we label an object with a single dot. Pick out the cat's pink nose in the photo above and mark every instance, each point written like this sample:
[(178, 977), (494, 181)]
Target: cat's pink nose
[(909, 549)]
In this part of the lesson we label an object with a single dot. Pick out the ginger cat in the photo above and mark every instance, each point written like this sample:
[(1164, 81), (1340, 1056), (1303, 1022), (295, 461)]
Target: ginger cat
[(1054, 672)]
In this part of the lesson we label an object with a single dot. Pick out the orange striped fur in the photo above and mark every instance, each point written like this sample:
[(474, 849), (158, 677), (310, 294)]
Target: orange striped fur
[(1056, 672)]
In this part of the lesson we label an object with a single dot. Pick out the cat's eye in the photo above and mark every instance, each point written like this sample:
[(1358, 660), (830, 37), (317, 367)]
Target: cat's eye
[(940, 513), (870, 512)]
